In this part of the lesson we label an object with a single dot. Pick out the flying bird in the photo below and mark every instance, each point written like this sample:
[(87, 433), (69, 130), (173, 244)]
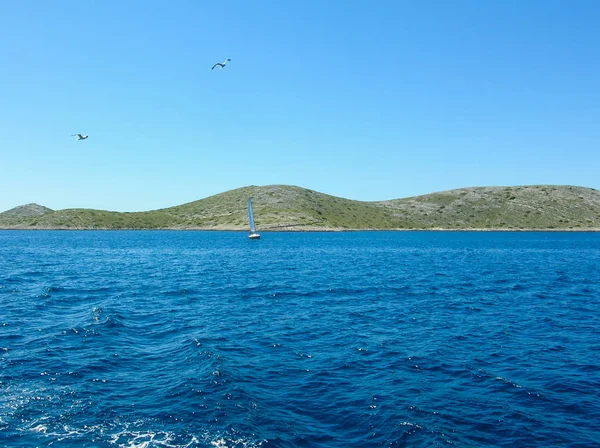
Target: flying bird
[(221, 65), (79, 136)]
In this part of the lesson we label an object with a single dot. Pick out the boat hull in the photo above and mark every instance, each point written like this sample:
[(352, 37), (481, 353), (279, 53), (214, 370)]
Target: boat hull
[(254, 236)]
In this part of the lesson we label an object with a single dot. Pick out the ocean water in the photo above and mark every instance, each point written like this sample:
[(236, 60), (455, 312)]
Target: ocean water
[(208, 339)]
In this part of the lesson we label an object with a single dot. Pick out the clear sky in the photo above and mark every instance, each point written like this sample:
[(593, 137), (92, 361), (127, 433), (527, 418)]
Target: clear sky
[(367, 100)]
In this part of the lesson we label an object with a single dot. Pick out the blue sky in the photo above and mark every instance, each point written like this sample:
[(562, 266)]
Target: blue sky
[(364, 100)]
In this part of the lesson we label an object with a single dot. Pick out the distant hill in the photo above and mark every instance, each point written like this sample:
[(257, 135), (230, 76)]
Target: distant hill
[(283, 207), (27, 211), (15, 216), (526, 207)]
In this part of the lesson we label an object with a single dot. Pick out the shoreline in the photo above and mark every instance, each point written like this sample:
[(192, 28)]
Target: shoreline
[(298, 230)]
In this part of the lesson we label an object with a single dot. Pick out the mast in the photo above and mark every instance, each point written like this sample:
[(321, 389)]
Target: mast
[(251, 216)]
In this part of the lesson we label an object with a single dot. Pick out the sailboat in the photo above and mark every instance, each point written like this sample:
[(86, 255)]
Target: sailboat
[(254, 235)]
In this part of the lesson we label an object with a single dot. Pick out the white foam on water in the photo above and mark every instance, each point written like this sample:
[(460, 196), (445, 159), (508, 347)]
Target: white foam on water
[(134, 434), (222, 442), (506, 380), (141, 438), (414, 425)]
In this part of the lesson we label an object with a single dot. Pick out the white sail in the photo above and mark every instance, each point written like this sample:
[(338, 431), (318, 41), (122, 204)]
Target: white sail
[(251, 216)]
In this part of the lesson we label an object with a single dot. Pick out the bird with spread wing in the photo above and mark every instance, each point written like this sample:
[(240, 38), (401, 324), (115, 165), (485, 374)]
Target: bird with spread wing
[(221, 65)]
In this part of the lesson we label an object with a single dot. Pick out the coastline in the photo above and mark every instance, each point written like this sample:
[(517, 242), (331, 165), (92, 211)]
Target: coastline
[(301, 230)]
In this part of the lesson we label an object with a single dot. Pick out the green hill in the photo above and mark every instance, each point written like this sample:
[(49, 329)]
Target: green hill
[(22, 213), (281, 207), (525, 207)]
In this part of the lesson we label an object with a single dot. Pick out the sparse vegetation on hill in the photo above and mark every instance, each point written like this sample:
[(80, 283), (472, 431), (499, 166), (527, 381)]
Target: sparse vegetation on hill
[(513, 208), (22, 213), (281, 207)]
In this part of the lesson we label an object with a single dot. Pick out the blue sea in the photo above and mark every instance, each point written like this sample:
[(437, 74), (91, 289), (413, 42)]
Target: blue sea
[(208, 339)]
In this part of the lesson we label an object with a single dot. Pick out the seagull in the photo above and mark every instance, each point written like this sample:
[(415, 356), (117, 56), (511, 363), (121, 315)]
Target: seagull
[(221, 65), (79, 136)]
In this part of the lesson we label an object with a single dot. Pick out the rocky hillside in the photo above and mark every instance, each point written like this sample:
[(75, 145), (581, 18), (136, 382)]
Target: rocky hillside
[(22, 213), (527, 207), (282, 207)]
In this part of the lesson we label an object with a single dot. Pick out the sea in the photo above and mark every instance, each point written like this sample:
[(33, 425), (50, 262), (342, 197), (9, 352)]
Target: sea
[(345, 339)]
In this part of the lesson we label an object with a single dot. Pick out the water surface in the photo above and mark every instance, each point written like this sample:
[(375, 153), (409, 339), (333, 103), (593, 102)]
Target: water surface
[(201, 339)]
